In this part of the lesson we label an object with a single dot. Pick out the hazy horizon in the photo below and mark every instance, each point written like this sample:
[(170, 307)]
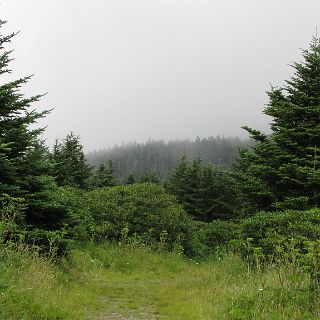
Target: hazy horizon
[(129, 70)]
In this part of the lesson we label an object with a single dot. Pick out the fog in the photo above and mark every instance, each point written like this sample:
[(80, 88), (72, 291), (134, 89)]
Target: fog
[(128, 70)]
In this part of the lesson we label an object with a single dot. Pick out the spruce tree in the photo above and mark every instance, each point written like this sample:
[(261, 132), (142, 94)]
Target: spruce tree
[(111, 181), (131, 179), (103, 177), (206, 192), (16, 116), (178, 182), (285, 165), (70, 164), (193, 201), (149, 176), (25, 168)]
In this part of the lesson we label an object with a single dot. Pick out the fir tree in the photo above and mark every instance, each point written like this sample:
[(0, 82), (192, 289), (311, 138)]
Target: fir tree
[(206, 192), (150, 176), (103, 177), (194, 191), (285, 165), (131, 179), (178, 182), (25, 166), (16, 116), (70, 163), (110, 177)]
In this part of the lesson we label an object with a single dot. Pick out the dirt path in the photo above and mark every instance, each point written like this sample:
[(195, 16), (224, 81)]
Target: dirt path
[(127, 299), (117, 316)]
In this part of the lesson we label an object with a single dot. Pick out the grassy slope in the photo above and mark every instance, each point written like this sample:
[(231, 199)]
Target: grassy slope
[(108, 282)]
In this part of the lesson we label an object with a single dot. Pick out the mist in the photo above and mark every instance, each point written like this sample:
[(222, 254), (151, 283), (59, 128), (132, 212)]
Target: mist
[(129, 70)]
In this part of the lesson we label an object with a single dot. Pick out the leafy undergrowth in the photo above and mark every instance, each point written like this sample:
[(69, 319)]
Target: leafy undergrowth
[(127, 283)]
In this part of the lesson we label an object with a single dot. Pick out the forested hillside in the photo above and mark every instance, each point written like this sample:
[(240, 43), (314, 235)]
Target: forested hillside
[(161, 157)]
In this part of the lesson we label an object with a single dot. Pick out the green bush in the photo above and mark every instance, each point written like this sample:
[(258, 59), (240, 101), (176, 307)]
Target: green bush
[(13, 229), (75, 201), (268, 230), (142, 211), (11, 217), (290, 237), (51, 243), (213, 237)]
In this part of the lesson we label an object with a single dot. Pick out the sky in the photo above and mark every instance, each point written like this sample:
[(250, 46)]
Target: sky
[(129, 70)]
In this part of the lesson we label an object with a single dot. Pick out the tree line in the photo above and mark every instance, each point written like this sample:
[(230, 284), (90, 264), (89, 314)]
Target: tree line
[(161, 157)]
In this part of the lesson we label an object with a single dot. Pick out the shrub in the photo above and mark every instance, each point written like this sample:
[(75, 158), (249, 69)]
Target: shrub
[(13, 229), (268, 230), (213, 237), (11, 217), (140, 209), (290, 237), (144, 211), (76, 203)]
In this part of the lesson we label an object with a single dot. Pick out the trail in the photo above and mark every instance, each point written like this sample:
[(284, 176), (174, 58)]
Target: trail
[(129, 299)]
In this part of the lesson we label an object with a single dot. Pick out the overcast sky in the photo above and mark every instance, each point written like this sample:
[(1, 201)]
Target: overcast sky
[(128, 70)]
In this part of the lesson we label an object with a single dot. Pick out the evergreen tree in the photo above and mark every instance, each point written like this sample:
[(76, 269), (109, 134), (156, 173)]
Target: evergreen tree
[(178, 182), (150, 176), (16, 116), (103, 177), (42, 211), (285, 165), (194, 191), (206, 192), (25, 166), (70, 164), (110, 177), (131, 179)]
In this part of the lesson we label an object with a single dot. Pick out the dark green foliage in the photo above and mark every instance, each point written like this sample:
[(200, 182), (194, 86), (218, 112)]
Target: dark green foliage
[(214, 237), (206, 192), (289, 237), (178, 183), (142, 210), (25, 164), (11, 217), (282, 169), (149, 176), (16, 137), (271, 230), (219, 232), (103, 177), (37, 185), (71, 168), (81, 223), (13, 229), (51, 243), (131, 179)]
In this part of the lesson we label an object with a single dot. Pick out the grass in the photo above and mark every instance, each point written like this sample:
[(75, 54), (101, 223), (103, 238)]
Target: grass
[(124, 282)]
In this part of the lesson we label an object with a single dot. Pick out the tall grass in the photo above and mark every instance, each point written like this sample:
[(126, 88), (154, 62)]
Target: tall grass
[(123, 281), (33, 287)]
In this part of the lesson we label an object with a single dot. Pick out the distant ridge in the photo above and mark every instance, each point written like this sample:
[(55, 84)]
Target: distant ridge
[(161, 157)]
